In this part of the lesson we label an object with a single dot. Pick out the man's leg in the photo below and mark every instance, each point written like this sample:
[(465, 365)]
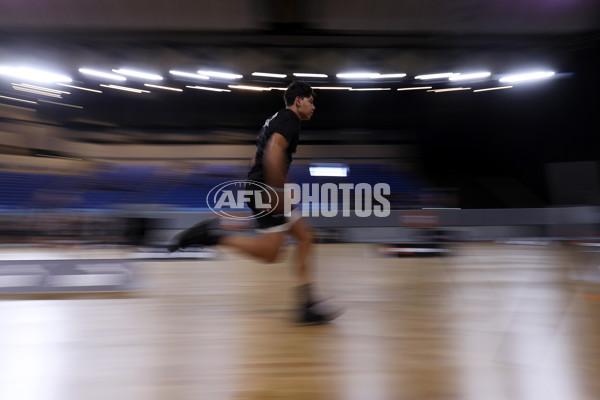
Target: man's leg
[(312, 310), (265, 247), (303, 233)]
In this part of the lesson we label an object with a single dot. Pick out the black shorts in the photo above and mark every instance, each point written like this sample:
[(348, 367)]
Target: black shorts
[(272, 222)]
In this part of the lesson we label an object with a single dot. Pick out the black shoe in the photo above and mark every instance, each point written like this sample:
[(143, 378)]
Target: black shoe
[(206, 233), (318, 313), (173, 247)]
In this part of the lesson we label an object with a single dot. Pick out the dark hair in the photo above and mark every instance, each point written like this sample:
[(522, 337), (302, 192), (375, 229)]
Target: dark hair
[(297, 88)]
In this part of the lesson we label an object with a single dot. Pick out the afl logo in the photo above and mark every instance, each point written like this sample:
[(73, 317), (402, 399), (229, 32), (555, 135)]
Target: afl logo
[(229, 198)]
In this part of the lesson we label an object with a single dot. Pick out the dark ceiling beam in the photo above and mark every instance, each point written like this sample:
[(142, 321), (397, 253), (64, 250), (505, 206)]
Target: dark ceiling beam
[(287, 15)]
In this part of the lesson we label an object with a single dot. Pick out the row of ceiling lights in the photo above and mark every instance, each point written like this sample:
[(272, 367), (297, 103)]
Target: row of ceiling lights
[(120, 75)]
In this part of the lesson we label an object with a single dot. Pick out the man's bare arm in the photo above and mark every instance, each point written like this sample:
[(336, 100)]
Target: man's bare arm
[(275, 167), (274, 161)]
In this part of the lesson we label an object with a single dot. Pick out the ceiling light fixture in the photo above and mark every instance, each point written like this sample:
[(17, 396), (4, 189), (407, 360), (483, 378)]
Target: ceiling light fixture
[(44, 89), (38, 92), (163, 87), (15, 99), (224, 75), (332, 87), (309, 75), (358, 75), (124, 88), (80, 88), (469, 76), (388, 76), (415, 88), (527, 76), (138, 74), (269, 75), (435, 76), (100, 74), (449, 90), (31, 74), (246, 87), (369, 89), (210, 89), (188, 75), (492, 88)]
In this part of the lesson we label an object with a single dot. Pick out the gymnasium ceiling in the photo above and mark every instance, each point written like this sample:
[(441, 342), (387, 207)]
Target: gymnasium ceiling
[(400, 16), (283, 36)]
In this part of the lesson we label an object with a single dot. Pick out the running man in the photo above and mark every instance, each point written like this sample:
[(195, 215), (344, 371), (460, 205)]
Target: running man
[(275, 148)]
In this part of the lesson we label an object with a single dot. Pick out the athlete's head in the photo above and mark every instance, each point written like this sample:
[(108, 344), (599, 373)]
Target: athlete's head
[(300, 97)]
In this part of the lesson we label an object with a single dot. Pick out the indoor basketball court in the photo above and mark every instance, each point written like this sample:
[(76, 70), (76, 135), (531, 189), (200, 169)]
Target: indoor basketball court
[(491, 321)]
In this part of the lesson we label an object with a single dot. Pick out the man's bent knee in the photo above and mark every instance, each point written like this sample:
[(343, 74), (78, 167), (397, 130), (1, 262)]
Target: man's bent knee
[(272, 248), (271, 258), (270, 254), (303, 232)]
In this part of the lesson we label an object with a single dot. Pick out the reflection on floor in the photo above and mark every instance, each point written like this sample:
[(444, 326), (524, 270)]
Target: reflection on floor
[(491, 321)]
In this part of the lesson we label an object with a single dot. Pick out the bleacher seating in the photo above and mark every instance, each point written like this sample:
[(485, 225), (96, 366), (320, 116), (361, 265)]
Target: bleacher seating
[(117, 185), (17, 188)]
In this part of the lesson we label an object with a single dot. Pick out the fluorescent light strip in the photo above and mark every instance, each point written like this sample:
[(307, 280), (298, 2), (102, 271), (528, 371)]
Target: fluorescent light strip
[(100, 74), (216, 74), (80, 88), (163, 87), (124, 88), (309, 75), (15, 99), (369, 89), (208, 88), (245, 87), (474, 75), (527, 77), (39, 92), (328, 171), (269, 75), (387, 76), (31, 74), (138, 74), (332, 87), (435, 76), (449, 90), (188, 75), (415, 88), (44, 89), (358, 75), (278, 88), (62, 104), (492, 88)]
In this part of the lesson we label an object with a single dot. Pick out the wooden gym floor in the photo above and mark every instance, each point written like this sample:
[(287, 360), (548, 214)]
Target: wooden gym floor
[(489, 322)]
